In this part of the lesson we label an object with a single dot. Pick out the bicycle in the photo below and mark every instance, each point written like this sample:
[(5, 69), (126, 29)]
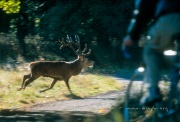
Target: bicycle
[(172, 99)]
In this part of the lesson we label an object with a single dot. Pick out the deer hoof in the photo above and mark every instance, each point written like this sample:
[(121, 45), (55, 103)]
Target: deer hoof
[(19, 89), (41, 91)]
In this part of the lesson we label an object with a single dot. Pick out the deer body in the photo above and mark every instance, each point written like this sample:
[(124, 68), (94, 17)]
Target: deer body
[(58, 70)]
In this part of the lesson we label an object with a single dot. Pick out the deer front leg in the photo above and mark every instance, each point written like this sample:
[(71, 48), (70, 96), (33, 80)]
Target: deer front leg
[(24, 79), (52, 85), (67, 84)]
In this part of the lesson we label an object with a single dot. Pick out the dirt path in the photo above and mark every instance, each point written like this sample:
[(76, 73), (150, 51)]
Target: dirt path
[(91, 104), (97, 104)]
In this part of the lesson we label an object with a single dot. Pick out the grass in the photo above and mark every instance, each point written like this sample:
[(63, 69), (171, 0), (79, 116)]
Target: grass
[(82, 85)]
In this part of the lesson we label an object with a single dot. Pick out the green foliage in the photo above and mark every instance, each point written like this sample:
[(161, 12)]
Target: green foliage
[(101, 19), (10, 6), (8, 48), (101, 24)]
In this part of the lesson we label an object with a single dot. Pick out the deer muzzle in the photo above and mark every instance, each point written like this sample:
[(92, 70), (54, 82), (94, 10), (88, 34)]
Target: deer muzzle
[(91, 64)]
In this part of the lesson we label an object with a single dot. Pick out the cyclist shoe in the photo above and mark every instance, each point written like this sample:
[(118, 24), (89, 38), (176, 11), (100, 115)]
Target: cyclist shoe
[(153, 95)]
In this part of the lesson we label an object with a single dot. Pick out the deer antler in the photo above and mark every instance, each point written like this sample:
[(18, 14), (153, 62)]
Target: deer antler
[(68, 43), (63, 43), (77, 43), (88, 53), (82, 52), (85, 48)]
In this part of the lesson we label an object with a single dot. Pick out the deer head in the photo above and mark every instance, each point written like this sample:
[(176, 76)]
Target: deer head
[(81, 54)]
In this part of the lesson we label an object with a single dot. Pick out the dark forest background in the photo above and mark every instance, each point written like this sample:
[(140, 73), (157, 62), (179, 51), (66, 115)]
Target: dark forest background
[(30, 30)]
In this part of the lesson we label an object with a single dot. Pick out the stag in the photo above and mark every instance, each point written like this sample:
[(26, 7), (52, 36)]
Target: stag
[(59, 70)]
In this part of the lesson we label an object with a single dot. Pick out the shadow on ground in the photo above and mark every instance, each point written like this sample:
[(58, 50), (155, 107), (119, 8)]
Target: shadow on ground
[(45, 116), (73, 96)]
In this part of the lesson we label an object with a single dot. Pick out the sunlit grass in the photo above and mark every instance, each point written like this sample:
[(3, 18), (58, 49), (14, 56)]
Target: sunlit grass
[(82, 85)]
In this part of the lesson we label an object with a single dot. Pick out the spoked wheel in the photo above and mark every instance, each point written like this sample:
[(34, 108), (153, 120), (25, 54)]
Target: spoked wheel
[(127, 94)]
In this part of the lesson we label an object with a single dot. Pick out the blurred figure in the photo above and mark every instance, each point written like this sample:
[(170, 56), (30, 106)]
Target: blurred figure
[(163, 19)]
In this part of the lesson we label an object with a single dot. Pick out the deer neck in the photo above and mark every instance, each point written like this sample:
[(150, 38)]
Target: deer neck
[(76, 66)]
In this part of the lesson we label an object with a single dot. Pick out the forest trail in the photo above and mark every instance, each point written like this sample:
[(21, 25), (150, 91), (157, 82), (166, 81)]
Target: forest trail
[(101, 103)]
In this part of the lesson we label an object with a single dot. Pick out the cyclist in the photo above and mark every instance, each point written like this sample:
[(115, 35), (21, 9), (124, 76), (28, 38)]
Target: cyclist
[(165, 25)]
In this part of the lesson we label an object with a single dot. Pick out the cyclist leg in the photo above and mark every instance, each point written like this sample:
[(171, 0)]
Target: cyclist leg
[(152, 76), (160, 39)]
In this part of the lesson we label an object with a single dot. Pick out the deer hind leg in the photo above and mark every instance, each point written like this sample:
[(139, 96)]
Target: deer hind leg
[(52, 85), (24, 79), (31, 79)]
